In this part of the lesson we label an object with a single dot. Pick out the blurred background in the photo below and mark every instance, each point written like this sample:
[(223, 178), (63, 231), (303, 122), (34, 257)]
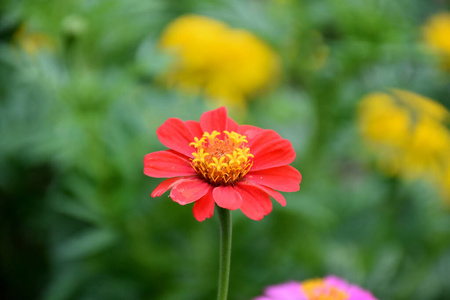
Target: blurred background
[(361, 88)]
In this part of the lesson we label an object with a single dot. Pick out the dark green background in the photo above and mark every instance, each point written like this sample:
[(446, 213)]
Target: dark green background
[(76, 217)]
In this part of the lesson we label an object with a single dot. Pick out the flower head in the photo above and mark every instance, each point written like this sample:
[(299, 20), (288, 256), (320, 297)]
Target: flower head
[(406, 132), (226, 64), (328, 288), (217, 161)]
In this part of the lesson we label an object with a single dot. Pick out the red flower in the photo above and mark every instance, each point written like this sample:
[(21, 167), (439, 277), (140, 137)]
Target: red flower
[(216, 161)]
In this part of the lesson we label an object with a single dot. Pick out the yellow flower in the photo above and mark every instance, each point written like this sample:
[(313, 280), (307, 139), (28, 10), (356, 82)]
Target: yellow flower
[(32, 42), (406, 132), (437, 35), (428, 149), (228, 65)]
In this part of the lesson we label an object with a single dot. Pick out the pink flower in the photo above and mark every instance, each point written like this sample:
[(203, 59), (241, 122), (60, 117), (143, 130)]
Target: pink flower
[(329, 288), (217, 161)]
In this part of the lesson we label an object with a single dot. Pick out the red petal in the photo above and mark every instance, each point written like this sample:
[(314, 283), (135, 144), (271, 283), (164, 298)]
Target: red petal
[(195, 128), (189, 190), (255, 203), (249, 131), (166, 185), (285, 178), (167, 163), (270, 151), (227, 197), (204, 207), (272, 193), (214, 120), (232, 125), (176, 135)]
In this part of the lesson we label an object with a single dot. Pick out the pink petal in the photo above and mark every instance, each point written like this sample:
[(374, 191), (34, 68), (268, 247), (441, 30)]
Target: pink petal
[(286, 291), (337, 282), (176, 135), (166, 185), (214, 120), (204, 207), (189, 190), (227, 197), (272, 193), (195, 128), (249, 131), (270, 151), (167, 163), (285, 178), (255, 203), (355, 292)]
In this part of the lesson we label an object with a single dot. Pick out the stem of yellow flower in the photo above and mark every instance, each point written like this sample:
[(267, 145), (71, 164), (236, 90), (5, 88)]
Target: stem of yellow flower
[(225, 251)]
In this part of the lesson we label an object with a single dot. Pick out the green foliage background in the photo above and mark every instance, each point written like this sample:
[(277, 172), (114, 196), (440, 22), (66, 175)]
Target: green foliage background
[(76, 217)]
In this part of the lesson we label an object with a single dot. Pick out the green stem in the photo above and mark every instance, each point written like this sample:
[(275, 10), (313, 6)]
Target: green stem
[(225, 252)]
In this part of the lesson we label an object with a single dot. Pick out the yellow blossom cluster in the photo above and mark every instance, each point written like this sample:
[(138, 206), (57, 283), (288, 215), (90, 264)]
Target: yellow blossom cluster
[(408, 134), (227, 65), (437, 35)]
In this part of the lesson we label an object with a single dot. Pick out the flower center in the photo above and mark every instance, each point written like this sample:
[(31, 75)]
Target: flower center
[(221, 161), (317, 289)]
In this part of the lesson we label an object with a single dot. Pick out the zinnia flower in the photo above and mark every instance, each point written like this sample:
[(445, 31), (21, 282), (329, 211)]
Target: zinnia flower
[(227, 65), (329, 288), (406, 132), (217, 161)]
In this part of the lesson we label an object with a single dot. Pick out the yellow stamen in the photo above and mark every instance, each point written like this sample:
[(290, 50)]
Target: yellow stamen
[(221, 161)]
